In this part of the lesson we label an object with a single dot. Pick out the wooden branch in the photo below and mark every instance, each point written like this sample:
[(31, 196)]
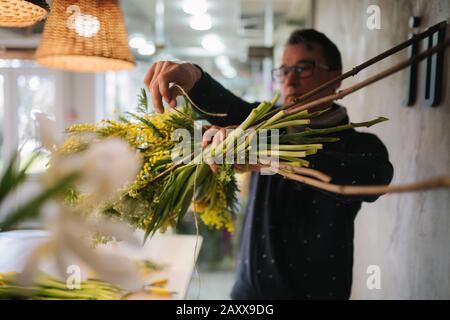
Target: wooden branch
[(364, 65), (434, 183), (184, 93), (303, 171), (339, 95), (368, 63)]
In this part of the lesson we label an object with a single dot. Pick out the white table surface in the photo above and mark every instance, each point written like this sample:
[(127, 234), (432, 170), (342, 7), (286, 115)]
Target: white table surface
[(174, 252)]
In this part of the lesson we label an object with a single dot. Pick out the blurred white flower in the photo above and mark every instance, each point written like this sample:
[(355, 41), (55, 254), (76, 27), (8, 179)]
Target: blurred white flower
[(104, 169), (47, 130), (69, 243)]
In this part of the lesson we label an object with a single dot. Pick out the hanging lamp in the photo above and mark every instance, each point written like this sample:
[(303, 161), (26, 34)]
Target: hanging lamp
[(85, 36), (22, 13)]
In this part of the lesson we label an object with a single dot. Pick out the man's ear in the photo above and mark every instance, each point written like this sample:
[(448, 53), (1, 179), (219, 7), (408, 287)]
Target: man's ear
[(336, 74)]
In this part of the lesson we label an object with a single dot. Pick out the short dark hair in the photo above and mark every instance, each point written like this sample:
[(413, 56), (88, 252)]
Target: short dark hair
[(330, 51)]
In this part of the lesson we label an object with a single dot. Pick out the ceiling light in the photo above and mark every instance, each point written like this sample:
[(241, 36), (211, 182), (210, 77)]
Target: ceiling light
[(212, 43), (201, 22), (88, 37), (137, 41), (85, 25), (22, 13), (147, 50), (222, 61), (194, 7), (229, 72)]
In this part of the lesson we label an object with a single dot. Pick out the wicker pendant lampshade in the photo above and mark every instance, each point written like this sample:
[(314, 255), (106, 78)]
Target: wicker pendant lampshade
[(22, 13), (85, 36)]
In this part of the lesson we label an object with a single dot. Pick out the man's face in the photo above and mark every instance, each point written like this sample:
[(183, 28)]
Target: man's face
[(293, 85)]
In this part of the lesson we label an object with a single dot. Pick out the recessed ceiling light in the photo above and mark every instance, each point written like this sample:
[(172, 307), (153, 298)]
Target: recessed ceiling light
[(201, 22), (222, 61), (147, 50), (229, 72), (137, 41), (194, 7), (212, 43)]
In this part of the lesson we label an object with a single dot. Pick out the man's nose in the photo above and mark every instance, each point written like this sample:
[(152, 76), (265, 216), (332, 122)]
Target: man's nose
[(291, 78)]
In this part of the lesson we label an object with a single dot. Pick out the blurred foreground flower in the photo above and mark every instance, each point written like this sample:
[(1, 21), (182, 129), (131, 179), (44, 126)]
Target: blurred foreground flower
[(70, 243), (102, 170), (46, 287)]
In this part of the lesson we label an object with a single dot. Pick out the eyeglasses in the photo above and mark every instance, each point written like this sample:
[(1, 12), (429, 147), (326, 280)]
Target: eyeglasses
[(304, 69)]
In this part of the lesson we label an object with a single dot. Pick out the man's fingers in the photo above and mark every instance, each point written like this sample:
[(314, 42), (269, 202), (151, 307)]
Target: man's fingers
[(154, 88), (208, 135), (163, 85), (173, 103), (161, 74), (174, 92), (240, 168), (156, 98), (212, 165), (153, 74), (218, 137), (149, 76)]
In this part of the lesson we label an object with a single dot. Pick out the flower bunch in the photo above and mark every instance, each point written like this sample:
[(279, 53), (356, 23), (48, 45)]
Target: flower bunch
[(174, 175), (46, 287)]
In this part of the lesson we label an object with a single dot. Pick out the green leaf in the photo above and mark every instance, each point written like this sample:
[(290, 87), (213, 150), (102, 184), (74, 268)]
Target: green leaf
[(198, 176), (31, 208), (142, 102), (304, 140), (155, 130), (309, 132), (13, 177), (123, 119)]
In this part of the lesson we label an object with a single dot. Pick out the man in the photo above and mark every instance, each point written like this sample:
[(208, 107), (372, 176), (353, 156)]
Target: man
[(297, 241)]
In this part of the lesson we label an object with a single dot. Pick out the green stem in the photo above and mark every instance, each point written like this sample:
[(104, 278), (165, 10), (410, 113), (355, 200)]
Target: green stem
[(309, 132), (304, 162), (272, 120), (281, 153), (299, 146), (288, 124)]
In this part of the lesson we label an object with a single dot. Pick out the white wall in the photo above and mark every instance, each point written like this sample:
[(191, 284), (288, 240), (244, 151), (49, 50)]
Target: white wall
[(406, 235), (79, 98), (87, 89)]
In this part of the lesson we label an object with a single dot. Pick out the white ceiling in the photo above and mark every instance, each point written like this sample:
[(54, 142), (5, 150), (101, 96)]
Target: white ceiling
[(239, 23)]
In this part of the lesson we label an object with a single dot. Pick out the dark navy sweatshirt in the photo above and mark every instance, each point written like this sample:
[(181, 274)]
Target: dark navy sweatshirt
[(297, 241)]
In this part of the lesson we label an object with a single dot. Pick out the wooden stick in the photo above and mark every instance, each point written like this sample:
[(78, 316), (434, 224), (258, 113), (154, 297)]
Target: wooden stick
[(306, 171), (434, 183), (184, 93), (339, 95), (364, 65), (387, 53)]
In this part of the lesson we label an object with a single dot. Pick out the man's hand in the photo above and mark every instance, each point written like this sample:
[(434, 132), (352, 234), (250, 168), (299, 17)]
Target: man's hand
[(215, 135), (162, 73)]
